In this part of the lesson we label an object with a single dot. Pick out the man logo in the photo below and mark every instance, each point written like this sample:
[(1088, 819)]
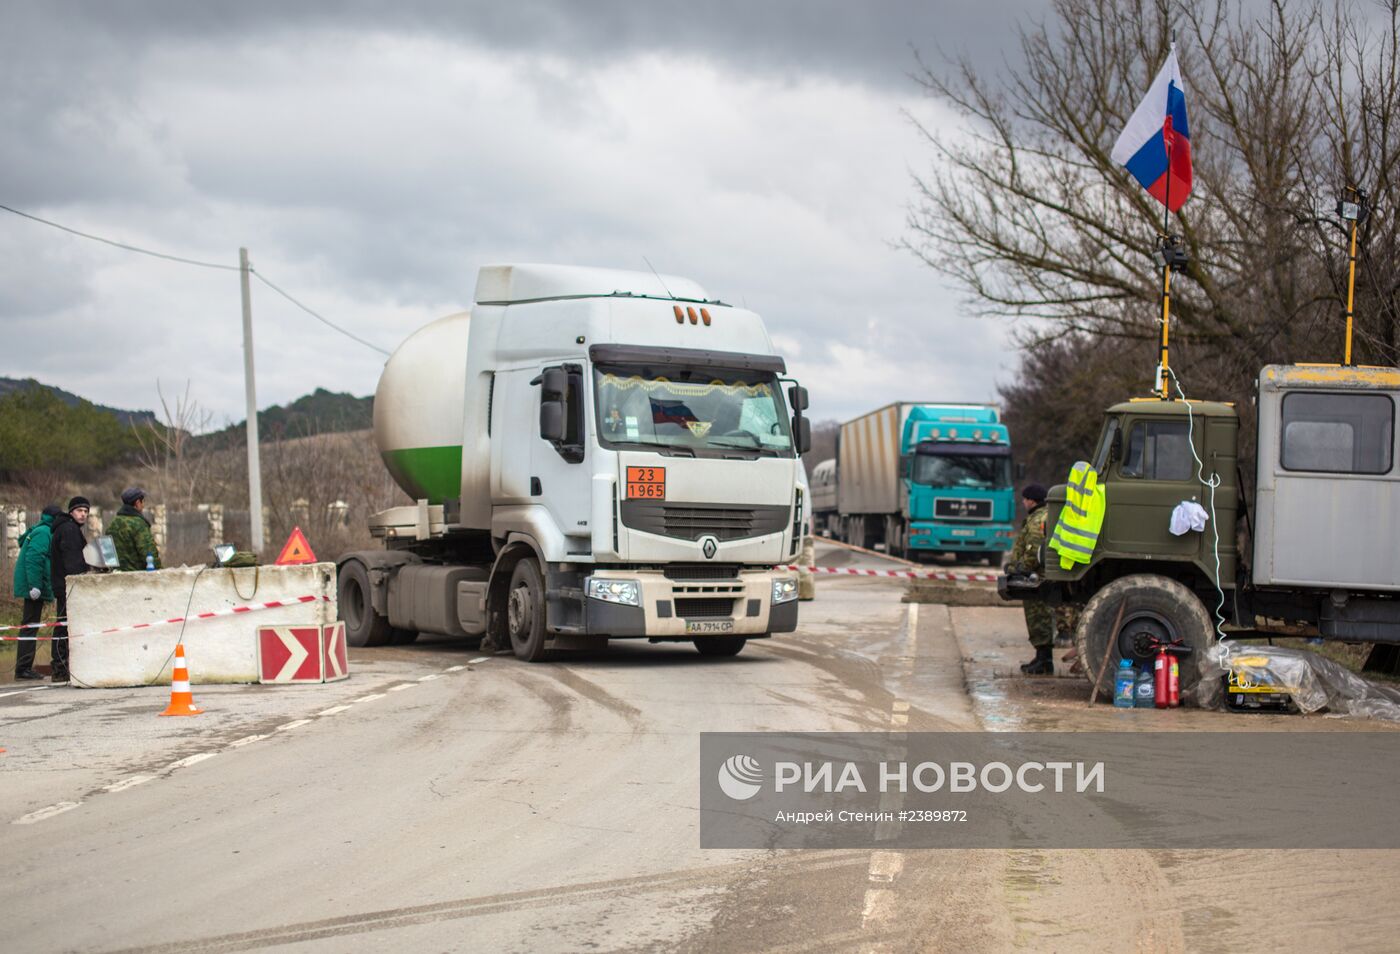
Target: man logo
[(740, 777), (709, 546)]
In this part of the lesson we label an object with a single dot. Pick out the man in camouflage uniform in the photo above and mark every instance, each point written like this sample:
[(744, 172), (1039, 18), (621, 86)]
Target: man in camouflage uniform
[(131, 533), (1025, 559)]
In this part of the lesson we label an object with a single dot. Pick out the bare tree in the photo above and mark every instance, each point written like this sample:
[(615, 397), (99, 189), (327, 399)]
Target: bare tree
[(1024, 206), (181, 476)]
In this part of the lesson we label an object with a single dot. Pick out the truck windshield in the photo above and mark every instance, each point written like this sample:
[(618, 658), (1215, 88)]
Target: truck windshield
[(707, 411), (979, 472)]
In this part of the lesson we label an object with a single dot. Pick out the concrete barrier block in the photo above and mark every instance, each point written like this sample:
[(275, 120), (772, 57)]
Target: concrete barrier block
[(223, 649)]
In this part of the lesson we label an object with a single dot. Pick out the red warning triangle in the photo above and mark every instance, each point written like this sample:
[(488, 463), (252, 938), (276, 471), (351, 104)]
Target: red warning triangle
[(296, 550)]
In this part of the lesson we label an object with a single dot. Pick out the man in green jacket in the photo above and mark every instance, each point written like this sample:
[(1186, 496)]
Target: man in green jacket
[(34, 585), (131, 533)]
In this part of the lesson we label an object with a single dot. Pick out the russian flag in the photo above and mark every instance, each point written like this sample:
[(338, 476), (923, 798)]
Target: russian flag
[(1155, 146)]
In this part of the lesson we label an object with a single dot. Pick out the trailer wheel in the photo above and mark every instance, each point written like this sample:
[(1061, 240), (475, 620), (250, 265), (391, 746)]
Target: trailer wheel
[(525, 612), (1153, 606), (720, 645), (363, 626)]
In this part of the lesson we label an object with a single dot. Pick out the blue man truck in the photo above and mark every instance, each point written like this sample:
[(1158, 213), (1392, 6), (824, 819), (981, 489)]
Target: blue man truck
[(916, 479)]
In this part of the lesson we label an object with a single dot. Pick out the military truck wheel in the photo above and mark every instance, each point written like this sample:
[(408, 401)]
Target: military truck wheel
[(363, 626), (1153, 606), (720, 645), (525, 612)]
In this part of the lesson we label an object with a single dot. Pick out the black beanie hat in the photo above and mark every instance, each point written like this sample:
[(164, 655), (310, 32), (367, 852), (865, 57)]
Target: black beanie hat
[(77, 502), (1034, 492), (132, 494), (52, 510)]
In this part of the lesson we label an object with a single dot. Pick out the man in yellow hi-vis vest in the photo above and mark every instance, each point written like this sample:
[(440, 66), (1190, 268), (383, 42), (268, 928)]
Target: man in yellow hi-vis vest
[(1077, 532)]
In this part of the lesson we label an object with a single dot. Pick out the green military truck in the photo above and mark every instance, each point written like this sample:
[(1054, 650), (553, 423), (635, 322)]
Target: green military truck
[(1314, 551)]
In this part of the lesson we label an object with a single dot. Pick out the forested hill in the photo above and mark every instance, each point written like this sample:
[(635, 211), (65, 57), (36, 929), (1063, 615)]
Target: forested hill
[(10, 385)]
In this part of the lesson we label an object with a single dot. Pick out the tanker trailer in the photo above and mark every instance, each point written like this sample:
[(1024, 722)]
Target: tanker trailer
[(593, 454)]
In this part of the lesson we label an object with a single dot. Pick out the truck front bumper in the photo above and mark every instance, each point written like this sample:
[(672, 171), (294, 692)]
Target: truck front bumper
[(942, 537), (687, 609)]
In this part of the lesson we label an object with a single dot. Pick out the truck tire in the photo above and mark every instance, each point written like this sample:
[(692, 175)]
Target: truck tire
[(1152, 606), (720, 645), (525, 612), (363, 626)]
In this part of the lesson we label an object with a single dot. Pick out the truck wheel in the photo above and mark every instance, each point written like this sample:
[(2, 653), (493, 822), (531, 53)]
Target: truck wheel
[(720, 645), (363, 626), (1154, 606), (525, 612)]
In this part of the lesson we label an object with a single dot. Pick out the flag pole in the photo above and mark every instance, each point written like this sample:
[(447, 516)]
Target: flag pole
[(1163, 356)]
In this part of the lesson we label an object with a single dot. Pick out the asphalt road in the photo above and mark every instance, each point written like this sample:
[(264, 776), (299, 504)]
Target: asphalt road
[(444, 801)]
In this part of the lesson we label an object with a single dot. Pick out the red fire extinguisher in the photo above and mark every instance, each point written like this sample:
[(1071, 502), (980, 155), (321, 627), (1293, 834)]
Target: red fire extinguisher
[(1161, 675)]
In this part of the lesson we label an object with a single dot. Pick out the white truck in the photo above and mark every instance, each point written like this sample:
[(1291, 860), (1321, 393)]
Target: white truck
[(594, 454)]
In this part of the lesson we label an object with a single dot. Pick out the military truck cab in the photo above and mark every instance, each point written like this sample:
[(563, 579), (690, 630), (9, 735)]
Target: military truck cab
[(1315, 554)]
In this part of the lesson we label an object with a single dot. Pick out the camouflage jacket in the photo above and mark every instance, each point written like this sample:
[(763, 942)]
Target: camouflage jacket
[(1026, 550), (133, 539)]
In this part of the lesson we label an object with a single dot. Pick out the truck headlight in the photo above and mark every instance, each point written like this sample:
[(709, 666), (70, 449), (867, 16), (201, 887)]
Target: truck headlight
[(784, 590), (624, 592)]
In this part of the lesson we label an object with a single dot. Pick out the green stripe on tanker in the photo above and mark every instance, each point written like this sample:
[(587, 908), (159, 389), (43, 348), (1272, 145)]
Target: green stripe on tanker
[(419, 410), (434, 473)]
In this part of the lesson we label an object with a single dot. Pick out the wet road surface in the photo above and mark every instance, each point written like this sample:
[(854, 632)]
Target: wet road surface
[(444, 801)]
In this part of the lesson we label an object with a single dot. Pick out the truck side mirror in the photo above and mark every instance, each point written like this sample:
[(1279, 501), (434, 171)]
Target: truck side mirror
[(552, 420), (554, 384), (1020, 470), (797, 396), (802, 433), (1115, 447)]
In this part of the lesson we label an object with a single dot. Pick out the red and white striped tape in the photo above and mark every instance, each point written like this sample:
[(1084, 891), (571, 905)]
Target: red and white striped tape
[(207, 614), (903, 574)]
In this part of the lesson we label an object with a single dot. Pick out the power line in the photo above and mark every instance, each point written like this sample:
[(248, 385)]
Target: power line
[(325, 321), (192, 261), (123, 245)]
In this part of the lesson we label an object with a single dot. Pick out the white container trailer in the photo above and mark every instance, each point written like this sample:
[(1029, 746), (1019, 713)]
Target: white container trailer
[(594, 454)]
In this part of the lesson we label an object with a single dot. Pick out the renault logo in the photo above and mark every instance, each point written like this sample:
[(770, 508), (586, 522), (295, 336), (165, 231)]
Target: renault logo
[(709, 546)]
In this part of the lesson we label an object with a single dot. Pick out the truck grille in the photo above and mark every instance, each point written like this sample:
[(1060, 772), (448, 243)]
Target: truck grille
[(707, 607), (702, 571), (693, 521), (955, 508)]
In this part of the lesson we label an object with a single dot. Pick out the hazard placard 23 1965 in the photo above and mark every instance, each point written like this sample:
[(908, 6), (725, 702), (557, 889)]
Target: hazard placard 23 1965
[(646, 483)]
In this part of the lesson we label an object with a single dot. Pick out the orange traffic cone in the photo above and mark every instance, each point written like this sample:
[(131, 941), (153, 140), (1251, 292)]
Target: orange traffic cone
[(181, 699)]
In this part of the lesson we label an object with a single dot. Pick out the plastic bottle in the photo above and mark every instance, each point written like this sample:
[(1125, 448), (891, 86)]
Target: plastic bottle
[(1145, 692), (1123, 684), (150, 561)]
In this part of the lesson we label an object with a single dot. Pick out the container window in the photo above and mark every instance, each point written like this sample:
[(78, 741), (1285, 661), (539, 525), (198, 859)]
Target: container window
[(1158, 450), (1338, 433)]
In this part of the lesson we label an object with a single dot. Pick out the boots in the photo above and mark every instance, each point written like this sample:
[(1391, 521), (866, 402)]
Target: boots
[(1042, 665)]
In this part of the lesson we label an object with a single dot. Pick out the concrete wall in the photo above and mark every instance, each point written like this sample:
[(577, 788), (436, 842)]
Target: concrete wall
[(223, 649)]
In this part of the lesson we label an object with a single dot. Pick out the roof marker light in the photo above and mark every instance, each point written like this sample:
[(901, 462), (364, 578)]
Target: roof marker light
[(691, 312), (705, 316), (680, 315)]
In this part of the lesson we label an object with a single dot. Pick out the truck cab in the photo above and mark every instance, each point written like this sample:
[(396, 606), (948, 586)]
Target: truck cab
[(595, 454), (1314, 556), (958, 481)]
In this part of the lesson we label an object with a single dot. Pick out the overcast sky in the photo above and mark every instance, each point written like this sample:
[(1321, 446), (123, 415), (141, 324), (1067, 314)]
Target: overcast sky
[(372, 160)]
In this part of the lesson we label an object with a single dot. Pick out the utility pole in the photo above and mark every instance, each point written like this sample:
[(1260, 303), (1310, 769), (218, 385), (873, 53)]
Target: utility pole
[(254, 466)]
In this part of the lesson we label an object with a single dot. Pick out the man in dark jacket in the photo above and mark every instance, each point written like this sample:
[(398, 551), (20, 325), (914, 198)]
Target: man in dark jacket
[(66, 556), (34, 585), (130, 531)]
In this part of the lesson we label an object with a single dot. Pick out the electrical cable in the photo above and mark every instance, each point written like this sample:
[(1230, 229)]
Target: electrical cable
[(123, 245), (325, 321), (201, 264), (1211, 484)]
